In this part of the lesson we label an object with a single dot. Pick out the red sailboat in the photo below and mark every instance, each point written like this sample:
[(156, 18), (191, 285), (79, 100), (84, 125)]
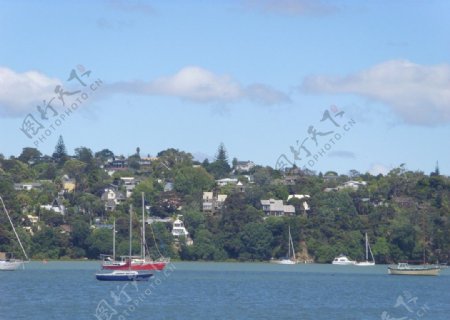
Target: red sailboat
[(137, 263)]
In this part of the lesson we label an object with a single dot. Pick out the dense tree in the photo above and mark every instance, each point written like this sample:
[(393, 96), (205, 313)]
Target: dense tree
[(220, 168), (84, 154), (104, 155), (257, 241), (29, 154), (191, 182), (60, 154)]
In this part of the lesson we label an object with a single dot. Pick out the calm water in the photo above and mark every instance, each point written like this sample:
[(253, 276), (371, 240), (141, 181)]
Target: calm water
[(69, 290)]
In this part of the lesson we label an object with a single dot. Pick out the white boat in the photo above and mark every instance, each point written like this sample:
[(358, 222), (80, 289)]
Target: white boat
[(367, 263), (414, 270), (7, 261), (290, 259), (123, 275), (9, 264), (342, 260)]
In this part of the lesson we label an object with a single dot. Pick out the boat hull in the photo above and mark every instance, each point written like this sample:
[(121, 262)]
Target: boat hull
[(123, 276), (10, 265), (405, 269), (365, 264), (283, 261), (348, 263), (415, 272), (145, 266)]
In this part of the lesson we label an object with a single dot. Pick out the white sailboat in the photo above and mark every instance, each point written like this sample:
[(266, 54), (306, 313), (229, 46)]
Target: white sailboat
[(367, 263), (290, 259), (8, 263)]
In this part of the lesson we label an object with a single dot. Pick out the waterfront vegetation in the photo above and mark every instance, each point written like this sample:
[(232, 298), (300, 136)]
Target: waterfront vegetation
[(405, 213)]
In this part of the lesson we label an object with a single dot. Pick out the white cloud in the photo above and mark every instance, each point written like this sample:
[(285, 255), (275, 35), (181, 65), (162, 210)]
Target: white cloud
[(203, 86), (291, 7), (22, 92), (418, 94), (198, 84)]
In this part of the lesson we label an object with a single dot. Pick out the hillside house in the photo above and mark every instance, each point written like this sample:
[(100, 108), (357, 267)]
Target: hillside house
[(213, 203), (112, 198), (277, 208)]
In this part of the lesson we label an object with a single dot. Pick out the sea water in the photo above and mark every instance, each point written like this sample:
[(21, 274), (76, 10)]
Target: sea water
[(69, 290)]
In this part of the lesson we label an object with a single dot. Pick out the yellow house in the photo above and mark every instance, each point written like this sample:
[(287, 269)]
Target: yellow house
[(69, 185)]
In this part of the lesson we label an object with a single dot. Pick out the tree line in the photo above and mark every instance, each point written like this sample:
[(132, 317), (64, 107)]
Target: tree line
[(405, 213)]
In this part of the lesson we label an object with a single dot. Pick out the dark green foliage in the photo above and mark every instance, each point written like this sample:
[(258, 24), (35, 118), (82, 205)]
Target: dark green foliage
[(60, 154), (220, 168)]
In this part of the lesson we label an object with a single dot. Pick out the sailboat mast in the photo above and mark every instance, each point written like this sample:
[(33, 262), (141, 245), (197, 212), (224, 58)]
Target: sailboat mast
[(367, 248), (289, 243), (143, 229), (131, 234), (292, 243), (114, 240), (14, 229)]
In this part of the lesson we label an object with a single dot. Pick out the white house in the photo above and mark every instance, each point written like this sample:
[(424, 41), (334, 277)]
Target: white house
[(353, 184), (129, 183), (277, 208), (226, 181), (56, 206), (27, 186), (244, 166), (303, 197), (178, 230)]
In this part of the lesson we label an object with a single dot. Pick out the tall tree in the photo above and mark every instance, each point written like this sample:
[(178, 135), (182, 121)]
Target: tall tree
[(60, 154), (220, 168)]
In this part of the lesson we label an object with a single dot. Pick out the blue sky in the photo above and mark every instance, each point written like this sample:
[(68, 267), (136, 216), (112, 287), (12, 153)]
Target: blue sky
[(255, 75)]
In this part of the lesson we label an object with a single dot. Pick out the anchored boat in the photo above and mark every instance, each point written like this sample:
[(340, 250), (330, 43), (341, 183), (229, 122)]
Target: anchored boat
[(137, 263), (7, 261), (290, 259), (367, 263), (414, 270), (123, 275), (342, 260)]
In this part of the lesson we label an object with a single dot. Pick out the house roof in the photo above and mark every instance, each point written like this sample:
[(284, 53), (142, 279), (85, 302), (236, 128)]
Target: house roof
[(277, 205), (289, 208), (221, 197), (207, 195)]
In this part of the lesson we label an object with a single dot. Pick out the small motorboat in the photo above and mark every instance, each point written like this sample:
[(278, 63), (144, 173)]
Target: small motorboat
[(343, 261), (414, 270), (123, 275)]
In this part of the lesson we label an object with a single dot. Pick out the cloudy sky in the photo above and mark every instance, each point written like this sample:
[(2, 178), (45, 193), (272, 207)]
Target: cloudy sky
[(329, 85)]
